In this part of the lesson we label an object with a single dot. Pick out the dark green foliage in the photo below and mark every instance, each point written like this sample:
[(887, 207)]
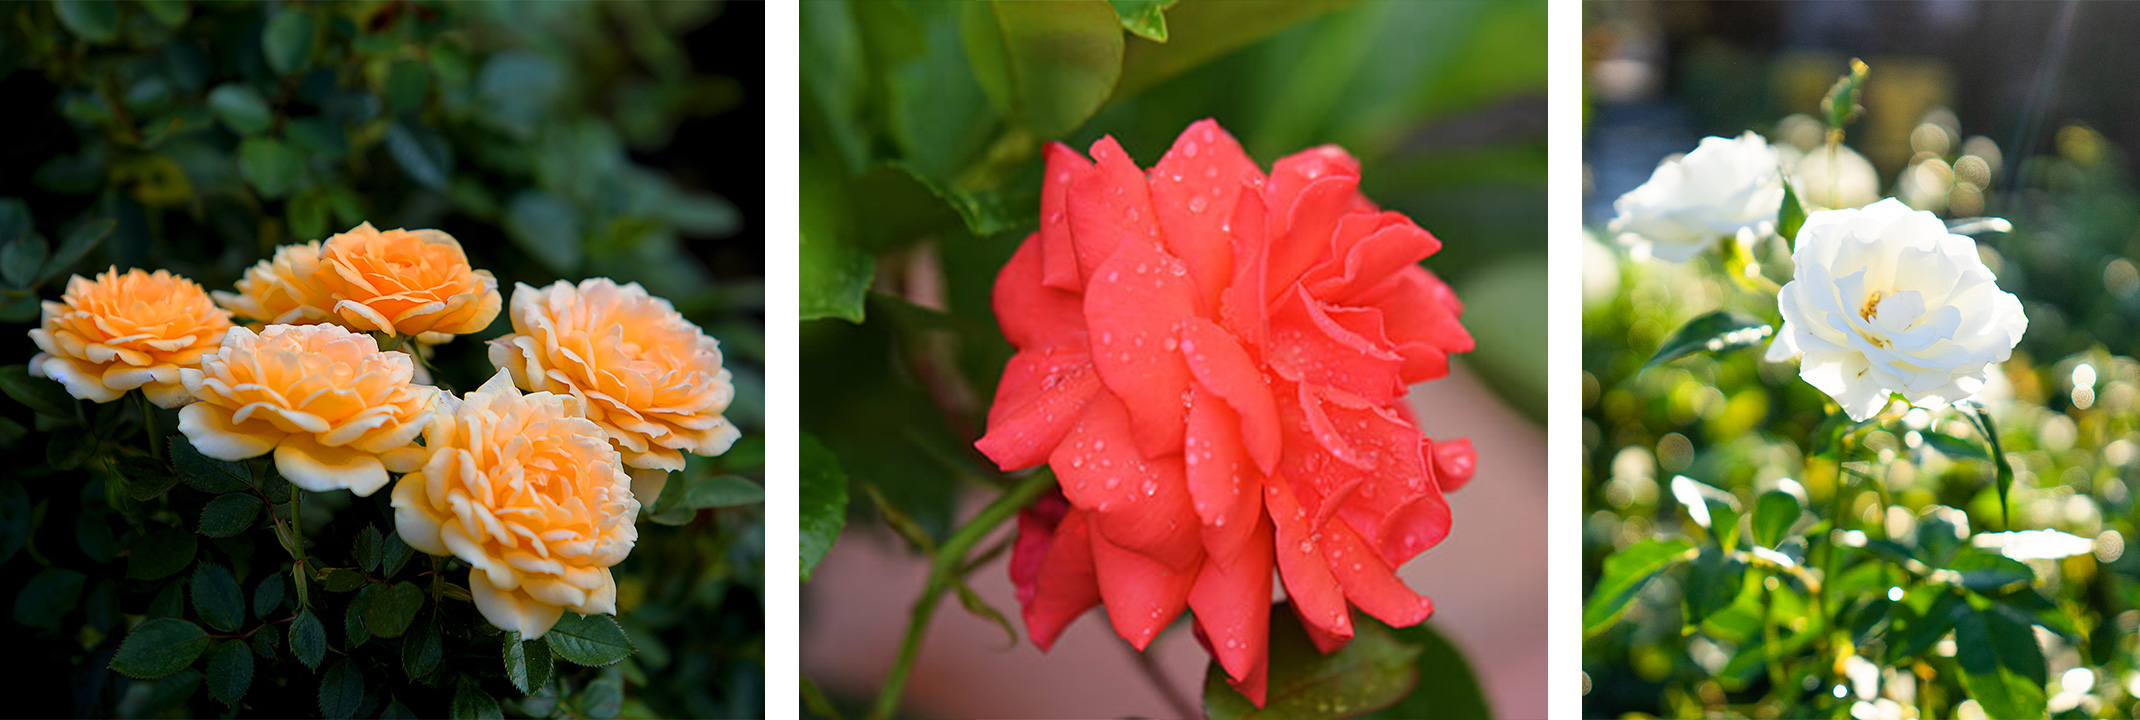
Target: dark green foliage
[(198, 137)]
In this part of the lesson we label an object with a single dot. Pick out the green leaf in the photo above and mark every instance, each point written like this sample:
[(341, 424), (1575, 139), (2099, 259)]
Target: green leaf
[(264, 645), (204, 473), (1714, 581), (1624, 575), (834, 274), (21, 258), (591, 640), (1715, 510), (1774, 514), (1716, 333), (722, 491), (230, 672), (2002, 666), (1448, 688), (1146, 18), (470, 702), (161, 553), (145, 479), (159, 647), (287, 40), (393, 554), (172, 13), (407, 82), (822, 498), (547, 227), (1199, 32), (92, 20), (1372, 672), (47, 397), (366, 549), (1952, 446), (604, 698), (1988, 573), (267, 596), (1791, 215), (308, 639), (67, 451), (393, 609), (15, 518), (48, 596), (218, 599), (342, 690), (420, 652), (1046, 66), (241, 108), (354, 629), (421, 153), (342, 579), (1998, 458), (229, 514), (270, 166), (527, 662), (85, 238)]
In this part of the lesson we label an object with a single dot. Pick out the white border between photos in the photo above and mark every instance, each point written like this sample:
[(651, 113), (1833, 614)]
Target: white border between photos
[(1564, 339), (783, 399)]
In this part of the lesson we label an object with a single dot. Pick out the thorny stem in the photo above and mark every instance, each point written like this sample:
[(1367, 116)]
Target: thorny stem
[(948, 561)]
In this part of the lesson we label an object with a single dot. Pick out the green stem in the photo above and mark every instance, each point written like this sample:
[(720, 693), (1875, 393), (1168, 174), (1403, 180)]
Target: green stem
[(947, 562), (149, 424)]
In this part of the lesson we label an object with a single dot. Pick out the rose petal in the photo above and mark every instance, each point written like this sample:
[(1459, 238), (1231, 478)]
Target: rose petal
[(1061, 584), (1194, 188), (1308, 582), (1222, 483), (320, 468), (1143, 596), (1368, 582), (1108, 205), (1135, 305), (1232, 600), (1220, 365), (1059, 266), (1041, 396), (511, 609), (1032, 314), (1140, 504)]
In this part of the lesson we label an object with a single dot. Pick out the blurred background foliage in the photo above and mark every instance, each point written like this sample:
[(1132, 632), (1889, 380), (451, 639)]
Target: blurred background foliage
[(554, 140), (2028, 134), (923, 121)]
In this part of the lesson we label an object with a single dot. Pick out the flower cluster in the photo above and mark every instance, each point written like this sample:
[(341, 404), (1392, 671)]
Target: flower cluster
[(1213, 362), (531, 490)]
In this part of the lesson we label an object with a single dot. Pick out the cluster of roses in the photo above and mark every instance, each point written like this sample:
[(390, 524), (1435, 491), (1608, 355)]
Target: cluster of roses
[(538, 492), (1883, 299)]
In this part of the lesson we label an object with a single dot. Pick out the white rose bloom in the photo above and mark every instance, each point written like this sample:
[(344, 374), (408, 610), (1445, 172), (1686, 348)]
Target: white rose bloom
[(1885, 300), (1723, 188)]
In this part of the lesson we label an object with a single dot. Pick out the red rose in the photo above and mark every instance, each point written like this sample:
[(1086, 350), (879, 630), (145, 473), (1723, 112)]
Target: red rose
[(1214, 362)]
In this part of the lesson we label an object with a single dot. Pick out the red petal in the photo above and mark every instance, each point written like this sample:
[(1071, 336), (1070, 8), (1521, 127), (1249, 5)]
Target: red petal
[(1108, 205), (1370, 583), (1221, 366), (1041, 396), (1420, 314), (1308, 581), (1309, 346), (1257, 685), (1412, 528), (1064, 584), (1032, 314), (1309, 193), (1223, 487), (1194, 189), (1454, 463), (1394, 245), (1232, 600), (1140, 504), (1244, 305), (1135, 305), (1064, 165), (1142, 595)]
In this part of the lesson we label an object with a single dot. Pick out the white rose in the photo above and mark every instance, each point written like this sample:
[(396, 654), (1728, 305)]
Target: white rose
[(1848, 182), (1885, 300), (1724, 187)]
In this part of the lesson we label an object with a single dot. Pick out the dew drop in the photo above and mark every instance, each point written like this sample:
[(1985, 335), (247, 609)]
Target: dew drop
[(1197, 204), (1171, 344), (1189, 149)]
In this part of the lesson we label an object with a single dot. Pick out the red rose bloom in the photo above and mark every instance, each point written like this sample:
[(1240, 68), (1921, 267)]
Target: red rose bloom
[(1214, 362)]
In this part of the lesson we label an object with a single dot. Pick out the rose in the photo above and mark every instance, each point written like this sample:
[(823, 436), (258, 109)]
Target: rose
[(1213, 363), (282, 290), (1722, 188), (405, 282), (1885, 300), (124, 331), (652, 380), (337, 412), (531, 495)]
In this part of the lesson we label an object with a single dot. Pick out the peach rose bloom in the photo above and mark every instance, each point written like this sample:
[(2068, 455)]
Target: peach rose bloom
[(405, 282), (337, 412), (124, 331), (652, 380), (531, 495), (281, 290)]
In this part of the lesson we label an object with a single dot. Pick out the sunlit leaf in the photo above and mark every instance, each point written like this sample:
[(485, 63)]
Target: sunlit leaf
[(2002, 666), (1625, 574), (1774, 514), (1047, 66), (1146, 18), (1716, 332)]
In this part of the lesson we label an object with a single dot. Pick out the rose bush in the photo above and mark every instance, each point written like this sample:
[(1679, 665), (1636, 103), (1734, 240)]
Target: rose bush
[(1212, 361)]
